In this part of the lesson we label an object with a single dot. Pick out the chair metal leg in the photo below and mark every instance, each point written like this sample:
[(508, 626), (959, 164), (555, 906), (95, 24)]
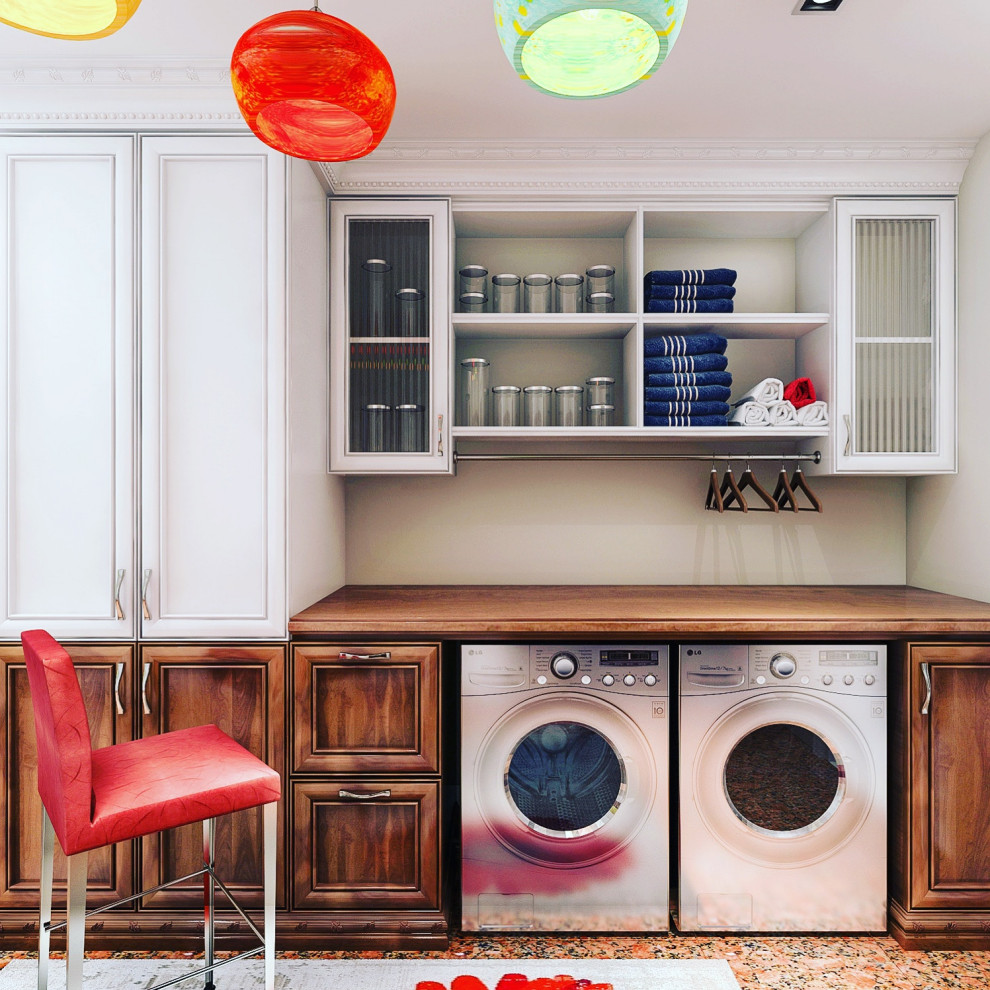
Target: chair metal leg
[(75, 932), (47, 874), (209, 897), (270, 852)]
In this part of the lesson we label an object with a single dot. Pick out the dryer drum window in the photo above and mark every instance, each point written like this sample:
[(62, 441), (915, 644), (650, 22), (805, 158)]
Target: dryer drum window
[(565, 779), (784, 778)]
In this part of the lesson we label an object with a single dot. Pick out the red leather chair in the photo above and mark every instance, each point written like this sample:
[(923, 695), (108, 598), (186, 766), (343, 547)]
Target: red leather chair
[(93, 798)]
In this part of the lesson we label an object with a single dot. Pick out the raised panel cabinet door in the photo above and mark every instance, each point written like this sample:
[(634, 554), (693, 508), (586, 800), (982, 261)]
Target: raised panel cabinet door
[(363, 845), (67, 380), (242, 691), (950, 754), (106, 677), (893, 411), (366, 708), (212, 546)]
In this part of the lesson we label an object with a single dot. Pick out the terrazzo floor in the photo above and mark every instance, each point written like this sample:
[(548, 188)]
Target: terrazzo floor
[(759, 963)]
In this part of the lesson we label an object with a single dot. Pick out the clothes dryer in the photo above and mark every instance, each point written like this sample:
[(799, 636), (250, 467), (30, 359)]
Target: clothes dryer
[(782, 790), (564, 791)]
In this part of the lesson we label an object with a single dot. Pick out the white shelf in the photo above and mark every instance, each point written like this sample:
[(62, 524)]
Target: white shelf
[(475, 326), (779, 326), (771, 434)]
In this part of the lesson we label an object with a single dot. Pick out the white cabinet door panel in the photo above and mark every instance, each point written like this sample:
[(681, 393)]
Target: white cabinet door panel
[(67, 445), (212, 526)]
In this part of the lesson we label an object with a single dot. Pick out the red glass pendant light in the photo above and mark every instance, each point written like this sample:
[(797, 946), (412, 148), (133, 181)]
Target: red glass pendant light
[(313, 86)]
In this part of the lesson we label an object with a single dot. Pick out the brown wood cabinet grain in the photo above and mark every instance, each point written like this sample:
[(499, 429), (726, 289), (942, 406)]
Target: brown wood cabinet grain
[(362, 844), (366, 708), (106, 677), (940, 776), (242, 691)]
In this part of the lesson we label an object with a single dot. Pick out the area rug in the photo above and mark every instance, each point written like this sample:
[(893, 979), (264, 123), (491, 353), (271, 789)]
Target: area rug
[(379, 974)]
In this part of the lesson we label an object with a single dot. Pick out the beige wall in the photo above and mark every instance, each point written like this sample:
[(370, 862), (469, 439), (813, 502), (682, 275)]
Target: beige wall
[(948, 530), (631, 523)]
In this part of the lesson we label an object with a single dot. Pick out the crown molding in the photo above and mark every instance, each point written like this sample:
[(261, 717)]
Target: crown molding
[(104, 71)]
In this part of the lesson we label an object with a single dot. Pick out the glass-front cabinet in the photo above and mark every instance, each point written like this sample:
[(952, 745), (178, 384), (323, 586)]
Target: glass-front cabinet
[(389, 332), (895, 336)]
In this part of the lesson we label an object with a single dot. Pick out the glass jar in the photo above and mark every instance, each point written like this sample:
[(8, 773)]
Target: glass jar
[(601, 302), (505, 293), (601, 278), (473, 302), (376, 423), (600, 390), (568, 291), (505, 405), (538, 293), (373, 274), (537, 406), (475, 391), (601, 414), (410, 312), (410, 434), (473, 278), (569, 405)]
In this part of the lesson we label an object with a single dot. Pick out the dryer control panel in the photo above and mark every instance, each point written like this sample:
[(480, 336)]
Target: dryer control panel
[(711, 668), (620, 668)]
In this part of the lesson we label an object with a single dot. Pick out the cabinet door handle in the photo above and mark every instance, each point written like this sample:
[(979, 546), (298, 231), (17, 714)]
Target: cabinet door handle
[(145, 674), (145, 611), (847, 450), (116, 594), (440, 435), (364, 656), (364, 797), (118, 676), (925, 673)]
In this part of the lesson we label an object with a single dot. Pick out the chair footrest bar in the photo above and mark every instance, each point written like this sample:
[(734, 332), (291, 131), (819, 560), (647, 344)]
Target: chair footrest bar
[(206, 969)]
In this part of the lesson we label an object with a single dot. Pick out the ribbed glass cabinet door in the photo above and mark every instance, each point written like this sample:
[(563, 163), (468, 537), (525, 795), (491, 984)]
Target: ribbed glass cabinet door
[(895, 327), (390, 327)]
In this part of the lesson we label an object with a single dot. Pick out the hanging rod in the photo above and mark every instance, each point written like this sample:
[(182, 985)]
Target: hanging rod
[(815, 458)]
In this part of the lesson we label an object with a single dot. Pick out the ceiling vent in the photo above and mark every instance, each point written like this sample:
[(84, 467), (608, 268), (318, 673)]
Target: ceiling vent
[(816, 6)]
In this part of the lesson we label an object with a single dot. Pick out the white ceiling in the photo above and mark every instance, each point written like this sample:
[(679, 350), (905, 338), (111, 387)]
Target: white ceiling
[(741, 69)]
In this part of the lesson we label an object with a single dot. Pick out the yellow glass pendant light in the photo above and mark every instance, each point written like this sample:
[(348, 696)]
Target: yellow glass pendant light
[(73, 20), (587, 48)]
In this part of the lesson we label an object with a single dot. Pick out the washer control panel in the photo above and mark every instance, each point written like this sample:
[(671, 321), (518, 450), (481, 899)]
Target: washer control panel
[(711, 668), (620, 668)]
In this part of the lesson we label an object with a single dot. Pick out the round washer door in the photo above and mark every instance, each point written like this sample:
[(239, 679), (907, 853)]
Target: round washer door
[(784, 779), (565, 780)]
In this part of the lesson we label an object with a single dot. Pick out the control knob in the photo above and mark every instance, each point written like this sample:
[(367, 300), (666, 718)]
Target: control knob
[(782, 665), (848, 679), (629, 680), (563, 665), (650, 680), (827, 679), (608, 680)]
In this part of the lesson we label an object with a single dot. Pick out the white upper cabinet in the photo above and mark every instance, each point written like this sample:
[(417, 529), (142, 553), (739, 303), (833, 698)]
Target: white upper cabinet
[(389, 334), (67, 361), (894, 374), (212, 544)]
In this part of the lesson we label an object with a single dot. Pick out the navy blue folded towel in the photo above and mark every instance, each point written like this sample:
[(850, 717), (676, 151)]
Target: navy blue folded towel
[(687, 393), (686, 409), (689, 379), (695, 343), (689, 292), (684, 421), (686, 363), (691, 276), (688, 305)]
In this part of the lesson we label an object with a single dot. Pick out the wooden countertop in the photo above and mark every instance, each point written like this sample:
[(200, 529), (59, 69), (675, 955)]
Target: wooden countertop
[(724, 611)]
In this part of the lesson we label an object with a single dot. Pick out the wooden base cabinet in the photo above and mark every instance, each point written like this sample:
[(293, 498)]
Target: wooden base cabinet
[(940, 793), (365, 792)]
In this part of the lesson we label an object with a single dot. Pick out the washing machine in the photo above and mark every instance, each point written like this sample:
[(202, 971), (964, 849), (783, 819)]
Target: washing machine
[(564, 787), (782, 792)]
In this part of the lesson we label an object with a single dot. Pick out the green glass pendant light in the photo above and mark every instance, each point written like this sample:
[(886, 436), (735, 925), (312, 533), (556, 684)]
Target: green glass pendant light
[(587, 48)]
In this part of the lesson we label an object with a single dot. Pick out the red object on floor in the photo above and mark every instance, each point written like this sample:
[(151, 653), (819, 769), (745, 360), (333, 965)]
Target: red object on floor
[(800, 392)]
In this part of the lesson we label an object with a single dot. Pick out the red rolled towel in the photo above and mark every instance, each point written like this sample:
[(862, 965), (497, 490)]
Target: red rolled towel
[(800, 392)]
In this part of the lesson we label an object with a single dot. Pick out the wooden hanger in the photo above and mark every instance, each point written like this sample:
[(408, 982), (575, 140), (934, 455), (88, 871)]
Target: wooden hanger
[(783, 493), (798, 482), (713, 500), (735, 495), (748, 480)]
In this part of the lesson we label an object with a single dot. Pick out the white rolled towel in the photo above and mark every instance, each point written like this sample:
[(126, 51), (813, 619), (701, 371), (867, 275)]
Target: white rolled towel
[(769, 390), (813, 414), (782, 413), (750, 414)]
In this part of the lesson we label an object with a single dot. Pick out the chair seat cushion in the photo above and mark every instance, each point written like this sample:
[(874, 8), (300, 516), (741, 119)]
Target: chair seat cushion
[(172, 779)]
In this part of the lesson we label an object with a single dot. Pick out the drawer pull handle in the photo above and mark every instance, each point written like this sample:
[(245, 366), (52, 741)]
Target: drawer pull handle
[(145, 673), (849, 435), (117, 678), (364, 797), (145, 611), (364, 656), (440, 435), (116, 595), (928, 688)]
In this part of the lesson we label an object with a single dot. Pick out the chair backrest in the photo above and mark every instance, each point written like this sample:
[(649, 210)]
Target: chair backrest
[(62, 730)]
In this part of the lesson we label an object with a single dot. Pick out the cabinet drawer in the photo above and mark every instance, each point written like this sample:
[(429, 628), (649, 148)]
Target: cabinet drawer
[(365, 845), (366, 709)]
